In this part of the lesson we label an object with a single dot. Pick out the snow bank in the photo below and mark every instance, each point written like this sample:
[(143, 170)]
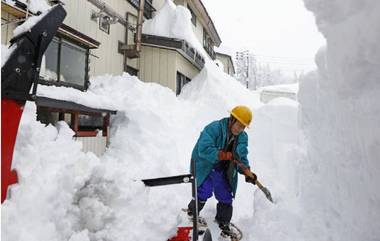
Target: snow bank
[(290, 88), (65, 194), (340, 116), (51, 169), (88, 98)]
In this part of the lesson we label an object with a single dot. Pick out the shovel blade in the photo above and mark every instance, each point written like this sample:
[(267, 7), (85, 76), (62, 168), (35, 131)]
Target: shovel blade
[(267, 194)]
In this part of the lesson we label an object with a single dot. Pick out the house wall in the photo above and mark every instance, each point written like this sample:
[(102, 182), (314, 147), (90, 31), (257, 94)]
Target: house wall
[(158, 65), (185, 67), (105, 59), (96, 145), (155, 64), (198, 29), (108, 59), (6, 29), (133, 62)]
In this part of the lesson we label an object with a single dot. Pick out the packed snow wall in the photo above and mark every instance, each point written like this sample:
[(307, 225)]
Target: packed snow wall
[(340, 119)]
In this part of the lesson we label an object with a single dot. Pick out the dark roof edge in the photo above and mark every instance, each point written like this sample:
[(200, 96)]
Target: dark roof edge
[(69, 105)]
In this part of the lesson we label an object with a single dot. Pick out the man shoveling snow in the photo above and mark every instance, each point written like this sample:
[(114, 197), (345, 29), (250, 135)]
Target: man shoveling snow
[(219, 145)]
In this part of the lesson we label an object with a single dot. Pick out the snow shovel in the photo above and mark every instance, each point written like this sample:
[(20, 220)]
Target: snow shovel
[(265, 191), (248, 173)]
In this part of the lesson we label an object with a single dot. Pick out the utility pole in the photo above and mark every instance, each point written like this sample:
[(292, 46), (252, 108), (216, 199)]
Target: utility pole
[(247, 69), (242, 58)]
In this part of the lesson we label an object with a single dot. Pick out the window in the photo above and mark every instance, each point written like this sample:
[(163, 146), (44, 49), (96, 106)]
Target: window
[(90, 122), (193, 17), (73, 63), (208, 44), (104, 24), (51, 61), (65, 64), (181, 81), (205, 37), (148, 7)]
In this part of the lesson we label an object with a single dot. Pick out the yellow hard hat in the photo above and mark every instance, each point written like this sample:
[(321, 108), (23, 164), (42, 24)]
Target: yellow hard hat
[(243, 114)]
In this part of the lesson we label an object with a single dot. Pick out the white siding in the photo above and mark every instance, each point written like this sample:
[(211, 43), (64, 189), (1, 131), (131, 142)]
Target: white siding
[(158, 65), (79, 18), (185, 67), (6, 29), (161, 65), (96, 145)]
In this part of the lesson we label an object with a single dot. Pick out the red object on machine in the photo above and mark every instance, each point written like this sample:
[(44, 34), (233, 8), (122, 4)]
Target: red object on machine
[(183, 234), (11, 111)]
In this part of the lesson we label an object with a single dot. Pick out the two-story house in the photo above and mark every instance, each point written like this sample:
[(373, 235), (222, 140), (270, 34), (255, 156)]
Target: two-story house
[(99, 37)]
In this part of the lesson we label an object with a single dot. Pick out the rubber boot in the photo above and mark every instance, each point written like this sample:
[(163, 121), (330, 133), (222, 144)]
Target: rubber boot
[(191, 205), (201, 221), (223, 213)]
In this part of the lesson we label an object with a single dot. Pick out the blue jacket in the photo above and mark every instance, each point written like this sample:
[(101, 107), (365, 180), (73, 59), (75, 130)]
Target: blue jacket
[(212, 139)]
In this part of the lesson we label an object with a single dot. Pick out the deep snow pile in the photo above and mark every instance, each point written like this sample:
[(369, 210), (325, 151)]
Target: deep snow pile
[(65, 194), (289, 88), (340, 113), (324, 189)]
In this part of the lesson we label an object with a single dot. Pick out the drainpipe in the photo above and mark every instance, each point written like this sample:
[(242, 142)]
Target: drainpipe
[(140, 18)]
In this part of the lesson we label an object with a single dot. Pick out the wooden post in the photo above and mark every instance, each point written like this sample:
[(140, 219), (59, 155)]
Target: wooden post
[(74, 122), (106, 123)]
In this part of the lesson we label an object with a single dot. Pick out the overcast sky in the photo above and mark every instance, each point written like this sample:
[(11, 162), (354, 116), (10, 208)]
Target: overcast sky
[(280, 32)]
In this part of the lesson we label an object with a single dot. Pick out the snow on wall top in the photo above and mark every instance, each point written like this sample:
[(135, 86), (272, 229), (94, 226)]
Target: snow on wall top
[(173, 22)]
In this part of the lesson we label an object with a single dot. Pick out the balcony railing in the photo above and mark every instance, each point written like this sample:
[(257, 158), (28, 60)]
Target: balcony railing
[(181, 45)]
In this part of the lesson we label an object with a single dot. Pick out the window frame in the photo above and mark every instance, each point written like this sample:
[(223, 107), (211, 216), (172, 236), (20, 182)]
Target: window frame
[(60, 39), (181, 81), (101, 19)]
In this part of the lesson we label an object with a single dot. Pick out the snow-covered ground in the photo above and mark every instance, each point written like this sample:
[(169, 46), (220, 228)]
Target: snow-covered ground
[(288, 88), (319, 157)]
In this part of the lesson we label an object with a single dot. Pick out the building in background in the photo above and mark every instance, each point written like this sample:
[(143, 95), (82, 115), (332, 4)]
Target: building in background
[(227, 62)]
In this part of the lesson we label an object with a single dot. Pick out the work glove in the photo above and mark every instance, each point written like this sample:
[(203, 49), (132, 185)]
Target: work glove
[(225, 155), (251, 179)]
